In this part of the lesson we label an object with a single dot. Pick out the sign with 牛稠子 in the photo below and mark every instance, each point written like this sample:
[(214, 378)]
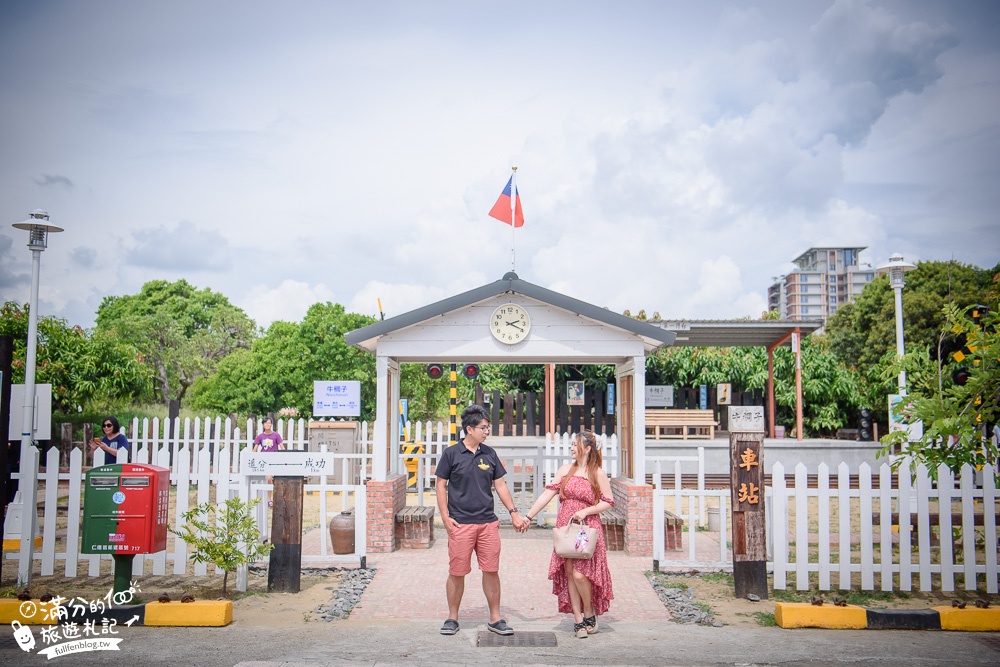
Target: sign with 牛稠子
[(340, 398), (746, 418), (659, 396)]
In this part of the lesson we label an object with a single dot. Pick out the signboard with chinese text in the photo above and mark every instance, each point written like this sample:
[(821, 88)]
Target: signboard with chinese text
[(337, 398), (290, 463), (746, 418), (659, 396)]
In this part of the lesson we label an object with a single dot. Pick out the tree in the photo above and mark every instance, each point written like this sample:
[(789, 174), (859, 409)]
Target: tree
[(861, 333), (183, 332), (279, 369), (225, 536), (957, 418), (84, 368)]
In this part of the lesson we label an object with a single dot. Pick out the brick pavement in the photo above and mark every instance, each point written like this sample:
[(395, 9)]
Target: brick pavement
[(410, 582)]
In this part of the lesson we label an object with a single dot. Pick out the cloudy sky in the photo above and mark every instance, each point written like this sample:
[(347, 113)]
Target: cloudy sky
[(672, 156)]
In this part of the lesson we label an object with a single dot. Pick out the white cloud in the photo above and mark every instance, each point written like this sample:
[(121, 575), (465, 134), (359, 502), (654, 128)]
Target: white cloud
[(287, 302), (347, 153)]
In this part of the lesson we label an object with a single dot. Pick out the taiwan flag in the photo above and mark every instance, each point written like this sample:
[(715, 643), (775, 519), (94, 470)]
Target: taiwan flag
[(501, 210)]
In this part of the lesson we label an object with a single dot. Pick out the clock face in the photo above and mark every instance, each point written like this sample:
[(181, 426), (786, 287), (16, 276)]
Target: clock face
[(510, 323)]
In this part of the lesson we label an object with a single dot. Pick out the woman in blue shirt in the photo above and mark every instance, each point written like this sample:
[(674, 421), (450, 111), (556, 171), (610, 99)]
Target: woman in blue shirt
[(113, 439)]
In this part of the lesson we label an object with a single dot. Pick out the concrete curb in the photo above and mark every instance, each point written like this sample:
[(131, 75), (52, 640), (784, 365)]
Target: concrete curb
[(200, 613), (791, 615)]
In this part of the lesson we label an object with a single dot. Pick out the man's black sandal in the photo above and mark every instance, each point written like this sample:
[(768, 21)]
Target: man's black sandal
[(500, 627), (450, 627)]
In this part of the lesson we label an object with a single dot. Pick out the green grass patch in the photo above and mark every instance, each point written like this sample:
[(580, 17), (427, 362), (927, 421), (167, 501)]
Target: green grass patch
[(667, 581), (765, 619), (718, 577)]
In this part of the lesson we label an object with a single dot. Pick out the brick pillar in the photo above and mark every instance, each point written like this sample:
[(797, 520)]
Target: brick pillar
[(636, 500), (384, 500)]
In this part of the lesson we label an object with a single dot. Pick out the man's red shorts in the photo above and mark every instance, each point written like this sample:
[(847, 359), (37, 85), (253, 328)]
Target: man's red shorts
[(483, 538)]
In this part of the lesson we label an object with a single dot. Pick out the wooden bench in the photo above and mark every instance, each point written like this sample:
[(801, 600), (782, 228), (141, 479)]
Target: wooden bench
[(673, 532), (415, 527), (613, 521), (681, 424)]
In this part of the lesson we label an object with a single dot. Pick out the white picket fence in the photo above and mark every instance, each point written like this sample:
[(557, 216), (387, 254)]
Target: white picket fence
[(821, 536), (212, 474), (922, 532), (841, 527)]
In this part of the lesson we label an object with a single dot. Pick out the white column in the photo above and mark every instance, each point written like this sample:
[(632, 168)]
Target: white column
[(380, 464), (639, 420)]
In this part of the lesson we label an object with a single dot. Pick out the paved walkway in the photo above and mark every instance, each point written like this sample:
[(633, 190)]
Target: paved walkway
[(410, 582)]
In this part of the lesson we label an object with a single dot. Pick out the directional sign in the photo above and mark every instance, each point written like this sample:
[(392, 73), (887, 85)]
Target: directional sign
[(290, 464)]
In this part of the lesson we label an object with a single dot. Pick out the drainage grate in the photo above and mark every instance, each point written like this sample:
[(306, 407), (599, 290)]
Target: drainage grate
[(992, 642), (521, 639)]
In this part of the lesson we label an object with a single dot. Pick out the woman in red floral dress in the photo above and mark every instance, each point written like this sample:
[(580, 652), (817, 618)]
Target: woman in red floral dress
[(583, 586)]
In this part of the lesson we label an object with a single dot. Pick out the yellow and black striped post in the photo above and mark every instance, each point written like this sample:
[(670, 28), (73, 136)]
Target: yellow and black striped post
[(412, 467), (453, 401)]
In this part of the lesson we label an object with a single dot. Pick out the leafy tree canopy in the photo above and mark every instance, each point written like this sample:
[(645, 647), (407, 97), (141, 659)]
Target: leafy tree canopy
[(957, 419), (183, 332), (91, 369), (862, 332), (280, 367)]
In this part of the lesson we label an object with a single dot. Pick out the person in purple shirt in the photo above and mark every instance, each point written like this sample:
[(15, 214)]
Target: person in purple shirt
[(268, 441)]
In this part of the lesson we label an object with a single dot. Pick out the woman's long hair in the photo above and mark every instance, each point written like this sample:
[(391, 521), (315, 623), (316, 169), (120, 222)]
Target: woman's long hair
[(587, 441)]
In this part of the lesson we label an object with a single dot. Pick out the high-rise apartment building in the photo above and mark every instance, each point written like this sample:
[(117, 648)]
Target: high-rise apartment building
[(826, 278)]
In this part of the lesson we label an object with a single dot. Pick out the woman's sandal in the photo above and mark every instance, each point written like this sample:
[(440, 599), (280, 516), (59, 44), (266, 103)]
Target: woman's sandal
[(591, 623), (580, 629)]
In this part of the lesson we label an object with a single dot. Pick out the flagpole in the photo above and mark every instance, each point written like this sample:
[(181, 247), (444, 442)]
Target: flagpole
[(513, 220)]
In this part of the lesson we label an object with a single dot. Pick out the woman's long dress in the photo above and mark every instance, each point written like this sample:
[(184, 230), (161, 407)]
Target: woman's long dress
[(579, 495)]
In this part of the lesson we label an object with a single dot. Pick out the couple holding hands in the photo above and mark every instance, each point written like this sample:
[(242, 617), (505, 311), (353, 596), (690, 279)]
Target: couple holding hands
[(469, 471)]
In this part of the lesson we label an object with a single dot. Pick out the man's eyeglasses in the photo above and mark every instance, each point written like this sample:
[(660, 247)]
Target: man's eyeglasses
[(483, 427)]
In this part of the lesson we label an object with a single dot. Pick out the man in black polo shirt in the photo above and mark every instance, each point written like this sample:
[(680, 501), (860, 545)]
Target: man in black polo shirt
[(467, 473)]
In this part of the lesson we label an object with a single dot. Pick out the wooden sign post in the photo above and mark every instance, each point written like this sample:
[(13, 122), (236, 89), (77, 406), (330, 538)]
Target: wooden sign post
[(746, 464), (284, 568)]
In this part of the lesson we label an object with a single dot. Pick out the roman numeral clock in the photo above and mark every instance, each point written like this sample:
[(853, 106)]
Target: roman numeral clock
[(510, 323)]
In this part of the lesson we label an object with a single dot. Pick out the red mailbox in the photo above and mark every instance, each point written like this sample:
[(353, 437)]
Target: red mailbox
[(125, 509)]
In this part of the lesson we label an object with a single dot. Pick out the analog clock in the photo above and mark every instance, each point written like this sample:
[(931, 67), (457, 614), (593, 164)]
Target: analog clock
[(510, 323)]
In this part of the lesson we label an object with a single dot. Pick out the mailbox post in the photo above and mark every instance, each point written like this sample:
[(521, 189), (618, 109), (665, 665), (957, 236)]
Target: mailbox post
[(125, 513)]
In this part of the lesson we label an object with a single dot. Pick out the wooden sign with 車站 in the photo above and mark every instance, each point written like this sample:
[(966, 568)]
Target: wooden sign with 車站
[(746, 440)]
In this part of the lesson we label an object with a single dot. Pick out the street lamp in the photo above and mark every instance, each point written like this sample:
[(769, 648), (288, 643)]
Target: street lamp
[(895, 268), (38, 228)]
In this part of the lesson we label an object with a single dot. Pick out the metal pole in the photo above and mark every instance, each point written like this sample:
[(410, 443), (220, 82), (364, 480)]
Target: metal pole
[(29, 476), (899, 336)]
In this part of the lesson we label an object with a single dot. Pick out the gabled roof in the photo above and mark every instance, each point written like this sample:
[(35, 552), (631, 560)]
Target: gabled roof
[(366, 338)]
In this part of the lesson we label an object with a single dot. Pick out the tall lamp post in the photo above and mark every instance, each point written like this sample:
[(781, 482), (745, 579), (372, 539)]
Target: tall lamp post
[(895, 268), (38, 228)]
